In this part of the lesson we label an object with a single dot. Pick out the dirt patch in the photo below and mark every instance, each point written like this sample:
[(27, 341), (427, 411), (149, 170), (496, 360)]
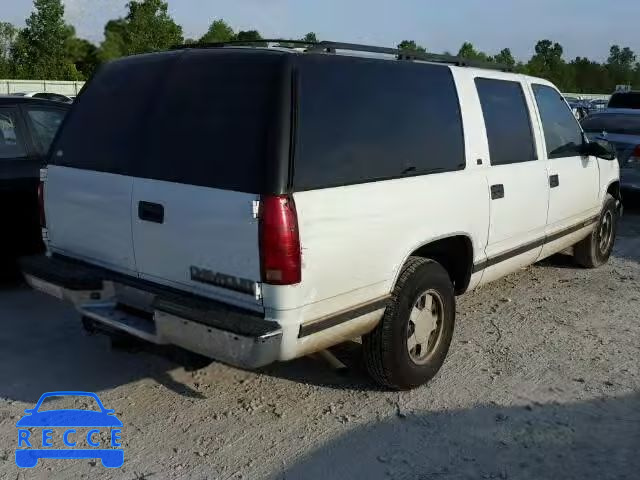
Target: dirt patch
[(542, 381)]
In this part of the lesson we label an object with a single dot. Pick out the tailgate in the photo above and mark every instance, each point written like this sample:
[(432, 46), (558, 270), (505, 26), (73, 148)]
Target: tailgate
[(204, 239)]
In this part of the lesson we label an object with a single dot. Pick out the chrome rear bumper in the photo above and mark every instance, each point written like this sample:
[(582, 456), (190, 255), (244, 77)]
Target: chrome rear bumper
[(224, 333)]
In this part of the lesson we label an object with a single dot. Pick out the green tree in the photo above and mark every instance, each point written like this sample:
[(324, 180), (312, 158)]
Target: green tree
[(8, 35), (251, 37), (620, 64), (588, 77), (411, 46), (547, 63), (114, 43), (39, 50), (468, 51), (219, 31), (310, 37), (505, 57), (148, 27), (81, 53)]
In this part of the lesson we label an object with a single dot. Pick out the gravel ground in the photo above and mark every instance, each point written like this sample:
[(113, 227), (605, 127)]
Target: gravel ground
[(542, 382)]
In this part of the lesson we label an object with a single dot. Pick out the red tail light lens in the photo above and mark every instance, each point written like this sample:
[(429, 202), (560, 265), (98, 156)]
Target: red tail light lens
[(280, 257), (43, 220), (636, 152)]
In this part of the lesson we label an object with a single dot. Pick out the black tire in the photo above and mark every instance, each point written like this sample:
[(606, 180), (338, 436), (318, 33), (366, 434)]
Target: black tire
[(590, 252), (386, 351)]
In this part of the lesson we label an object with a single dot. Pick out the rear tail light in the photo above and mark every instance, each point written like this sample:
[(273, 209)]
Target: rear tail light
[(280, 256), (43, 220)]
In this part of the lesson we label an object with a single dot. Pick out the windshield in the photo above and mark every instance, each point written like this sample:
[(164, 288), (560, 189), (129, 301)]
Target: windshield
[(612, 123), (625, 100)]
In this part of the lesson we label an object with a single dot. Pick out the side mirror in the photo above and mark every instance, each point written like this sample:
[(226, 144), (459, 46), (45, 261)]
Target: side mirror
[(599, 148)]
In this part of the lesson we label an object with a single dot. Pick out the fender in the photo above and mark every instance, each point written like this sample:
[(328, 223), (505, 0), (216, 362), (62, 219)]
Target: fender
[(469, 267)]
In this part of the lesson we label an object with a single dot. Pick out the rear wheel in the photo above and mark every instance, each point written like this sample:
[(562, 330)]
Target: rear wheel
[(410, 344), (596, 249)]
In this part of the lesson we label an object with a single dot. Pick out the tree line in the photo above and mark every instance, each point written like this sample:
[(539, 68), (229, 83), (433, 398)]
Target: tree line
[(48, 48)]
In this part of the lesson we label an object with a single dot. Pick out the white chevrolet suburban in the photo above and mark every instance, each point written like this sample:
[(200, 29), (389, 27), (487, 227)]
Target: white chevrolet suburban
[(258, 204)]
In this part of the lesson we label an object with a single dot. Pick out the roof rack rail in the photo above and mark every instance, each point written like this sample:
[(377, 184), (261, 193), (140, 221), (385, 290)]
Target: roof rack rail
[(240, 43), (332, 47)]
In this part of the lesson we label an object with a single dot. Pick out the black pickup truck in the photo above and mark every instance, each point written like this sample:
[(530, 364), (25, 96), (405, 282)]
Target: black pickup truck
[(27, 128)]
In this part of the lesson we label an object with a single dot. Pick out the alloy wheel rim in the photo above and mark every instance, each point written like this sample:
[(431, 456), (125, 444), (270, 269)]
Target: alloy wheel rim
[(605, 232), (425, 326)]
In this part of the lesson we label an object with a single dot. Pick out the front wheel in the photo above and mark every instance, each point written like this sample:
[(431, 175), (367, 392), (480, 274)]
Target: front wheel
[(596, 249), (410, 343)]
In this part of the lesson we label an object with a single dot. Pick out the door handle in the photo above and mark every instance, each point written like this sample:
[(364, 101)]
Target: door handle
[(151, 212), (497, 191), (554, 181)]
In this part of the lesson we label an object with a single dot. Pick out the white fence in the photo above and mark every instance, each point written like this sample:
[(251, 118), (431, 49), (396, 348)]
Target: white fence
[(8, 87), (588, 96)]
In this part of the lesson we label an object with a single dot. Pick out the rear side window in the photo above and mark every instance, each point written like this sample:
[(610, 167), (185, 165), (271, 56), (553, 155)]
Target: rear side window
[(507, 120), (44, 124), (105, 131), (215, 121), (562, 131), (363, 120), (199, 117), (11, 139), (625, 100)]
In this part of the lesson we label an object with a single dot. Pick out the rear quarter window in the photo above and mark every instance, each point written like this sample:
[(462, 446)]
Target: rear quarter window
[(362, 120)]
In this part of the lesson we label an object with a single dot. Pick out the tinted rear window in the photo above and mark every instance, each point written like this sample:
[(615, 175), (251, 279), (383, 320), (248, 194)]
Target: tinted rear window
[(625, 100), (365, 119), (507, 120), (612, 123), (105, 129), (198, 117)]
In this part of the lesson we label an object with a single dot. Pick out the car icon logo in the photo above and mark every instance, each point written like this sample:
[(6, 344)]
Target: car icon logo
[(31, 448)]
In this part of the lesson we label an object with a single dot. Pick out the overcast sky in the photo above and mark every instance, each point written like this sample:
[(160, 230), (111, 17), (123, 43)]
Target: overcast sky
[(583, 27)]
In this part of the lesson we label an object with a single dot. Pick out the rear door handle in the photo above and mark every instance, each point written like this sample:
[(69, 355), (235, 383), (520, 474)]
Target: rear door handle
[(497, 191), (554, 181), (151, 212)]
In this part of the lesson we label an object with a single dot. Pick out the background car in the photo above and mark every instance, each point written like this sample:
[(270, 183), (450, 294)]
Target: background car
[(621, 128), (578, 107), (625, 99), (54, 97), (27, 128), (597, 105)]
